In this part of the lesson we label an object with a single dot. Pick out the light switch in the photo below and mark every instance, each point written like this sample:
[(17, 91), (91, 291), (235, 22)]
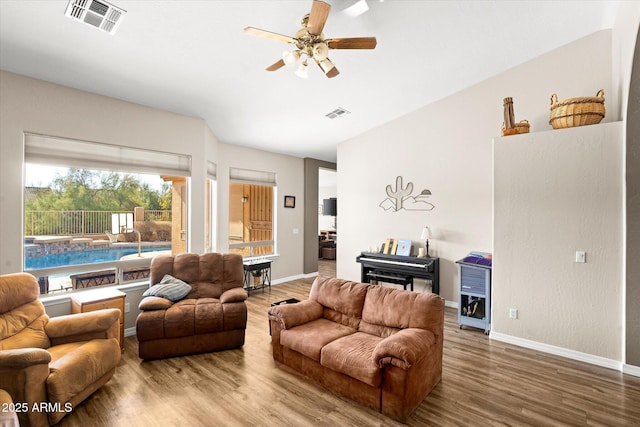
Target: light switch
[(296, 231), (581, 256)]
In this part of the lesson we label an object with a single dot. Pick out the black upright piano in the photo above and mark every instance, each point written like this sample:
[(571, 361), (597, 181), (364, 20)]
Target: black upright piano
[(399, 269)]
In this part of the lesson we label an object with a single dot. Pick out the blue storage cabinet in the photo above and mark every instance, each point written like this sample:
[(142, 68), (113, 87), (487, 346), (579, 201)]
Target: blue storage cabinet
[(474, 290)]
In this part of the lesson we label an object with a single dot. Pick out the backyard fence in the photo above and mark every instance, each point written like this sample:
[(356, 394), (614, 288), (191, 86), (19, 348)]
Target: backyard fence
[(72, 223)]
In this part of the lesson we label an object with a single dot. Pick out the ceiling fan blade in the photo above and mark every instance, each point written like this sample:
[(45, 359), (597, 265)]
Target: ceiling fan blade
[(332, 72), (353, 43), (275, 66), (328, 68), (269, 35), (318, 17)]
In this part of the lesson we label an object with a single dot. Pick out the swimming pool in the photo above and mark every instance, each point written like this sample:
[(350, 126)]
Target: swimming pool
[(86, 257)]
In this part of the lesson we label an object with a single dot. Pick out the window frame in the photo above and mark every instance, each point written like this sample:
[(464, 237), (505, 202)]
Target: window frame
[(67, 152), (257, 178)]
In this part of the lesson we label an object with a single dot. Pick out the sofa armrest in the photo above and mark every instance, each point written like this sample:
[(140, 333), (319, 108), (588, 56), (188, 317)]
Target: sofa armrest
[(233, 295), (8, 412), (291, 315), (23, 374), (154, 303), (404, 348), (21, 358), (84, 326)]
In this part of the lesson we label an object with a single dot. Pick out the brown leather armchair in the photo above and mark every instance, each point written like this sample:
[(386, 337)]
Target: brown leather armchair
[(211, 317), (52, 364)]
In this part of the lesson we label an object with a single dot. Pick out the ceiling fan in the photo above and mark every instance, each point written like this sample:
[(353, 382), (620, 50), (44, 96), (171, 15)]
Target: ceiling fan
[(310, 43)]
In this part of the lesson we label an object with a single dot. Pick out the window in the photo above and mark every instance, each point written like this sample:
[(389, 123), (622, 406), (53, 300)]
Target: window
[(251, 212), (95, 214)]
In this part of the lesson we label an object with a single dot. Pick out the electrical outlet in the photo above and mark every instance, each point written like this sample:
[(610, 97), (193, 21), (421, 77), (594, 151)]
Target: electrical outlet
[(581, 256), (513, 313), (127, 307)]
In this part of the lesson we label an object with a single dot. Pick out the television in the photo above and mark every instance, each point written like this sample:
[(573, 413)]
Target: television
[(330, 207)]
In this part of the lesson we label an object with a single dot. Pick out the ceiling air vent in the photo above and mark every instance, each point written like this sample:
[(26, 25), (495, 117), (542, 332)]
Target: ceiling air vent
[(338, 112), (98, 14)]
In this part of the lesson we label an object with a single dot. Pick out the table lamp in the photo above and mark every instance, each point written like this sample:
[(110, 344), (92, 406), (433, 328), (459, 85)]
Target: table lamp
[(426, 233)]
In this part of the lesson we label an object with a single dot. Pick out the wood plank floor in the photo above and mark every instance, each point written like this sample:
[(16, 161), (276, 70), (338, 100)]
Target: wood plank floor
[(484, 383)]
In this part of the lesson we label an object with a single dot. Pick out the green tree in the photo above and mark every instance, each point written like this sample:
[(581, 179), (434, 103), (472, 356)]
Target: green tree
[(90, 190)]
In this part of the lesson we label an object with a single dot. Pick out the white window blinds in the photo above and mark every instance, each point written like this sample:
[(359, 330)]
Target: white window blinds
[(82, 154), (246, 176), (212, 170)]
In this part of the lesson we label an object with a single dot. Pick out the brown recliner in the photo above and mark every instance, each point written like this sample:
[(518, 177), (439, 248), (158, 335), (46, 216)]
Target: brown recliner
[(50, 365), (213, 316)]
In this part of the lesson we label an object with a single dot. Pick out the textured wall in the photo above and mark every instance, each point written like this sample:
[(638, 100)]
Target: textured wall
[(633, 215), (446, 147), (555, 193)]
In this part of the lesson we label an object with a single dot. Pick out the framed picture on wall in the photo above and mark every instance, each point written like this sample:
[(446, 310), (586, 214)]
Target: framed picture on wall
[(289, 201)]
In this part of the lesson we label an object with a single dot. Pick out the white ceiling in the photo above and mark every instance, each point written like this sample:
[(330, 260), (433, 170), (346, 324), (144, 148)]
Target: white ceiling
[(193, 58)]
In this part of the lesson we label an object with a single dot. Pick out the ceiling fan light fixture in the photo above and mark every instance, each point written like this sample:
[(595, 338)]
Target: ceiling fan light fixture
[(320, 51), (290, 58), (303, 70)]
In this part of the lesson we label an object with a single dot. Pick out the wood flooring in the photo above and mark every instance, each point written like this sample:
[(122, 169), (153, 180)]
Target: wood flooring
[(485, 383)]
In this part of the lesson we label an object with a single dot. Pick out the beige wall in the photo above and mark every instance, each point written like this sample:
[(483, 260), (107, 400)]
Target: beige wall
[(290, 182), (447, 148), (30, 105), (633, 216), (555, 193)]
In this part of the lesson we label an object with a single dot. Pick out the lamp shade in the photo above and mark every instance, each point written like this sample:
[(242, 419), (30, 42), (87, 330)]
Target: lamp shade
[(303, 70), (290, 58), (320, 51), (426, 233)]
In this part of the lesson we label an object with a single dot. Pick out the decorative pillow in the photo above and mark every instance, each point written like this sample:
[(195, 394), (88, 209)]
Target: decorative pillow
[(170, 288)]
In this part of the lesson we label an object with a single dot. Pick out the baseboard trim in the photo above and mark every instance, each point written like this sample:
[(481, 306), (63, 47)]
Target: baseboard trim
[(558, 351), (452, 304), (631, 370), (129, 332), (291, 278)]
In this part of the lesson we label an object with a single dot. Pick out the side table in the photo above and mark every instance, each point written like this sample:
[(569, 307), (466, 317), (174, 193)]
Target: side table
[(98, 299), (261, 271)]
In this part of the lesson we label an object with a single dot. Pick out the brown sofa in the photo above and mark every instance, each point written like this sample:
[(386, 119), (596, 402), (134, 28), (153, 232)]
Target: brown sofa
[(52, 363), (213, 316), (379, 346)]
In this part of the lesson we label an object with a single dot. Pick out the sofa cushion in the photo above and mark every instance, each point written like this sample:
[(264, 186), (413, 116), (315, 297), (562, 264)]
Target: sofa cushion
[(397, 308), (32, 335), (170, 288), (309, 338), (209, 274), (75, 366), (233, 295), (342, 299), (352, 356)]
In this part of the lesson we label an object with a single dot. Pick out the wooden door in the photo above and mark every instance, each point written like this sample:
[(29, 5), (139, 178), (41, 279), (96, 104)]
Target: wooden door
[(258, 216)]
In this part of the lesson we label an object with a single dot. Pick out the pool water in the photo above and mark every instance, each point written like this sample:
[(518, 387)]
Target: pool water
[(86, 257)]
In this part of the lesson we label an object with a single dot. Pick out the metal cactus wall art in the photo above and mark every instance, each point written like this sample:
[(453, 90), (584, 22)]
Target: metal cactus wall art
[(400, 198)]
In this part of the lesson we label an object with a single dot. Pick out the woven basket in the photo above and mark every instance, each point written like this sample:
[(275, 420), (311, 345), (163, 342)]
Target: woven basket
[(576, 111), (520, 127)]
